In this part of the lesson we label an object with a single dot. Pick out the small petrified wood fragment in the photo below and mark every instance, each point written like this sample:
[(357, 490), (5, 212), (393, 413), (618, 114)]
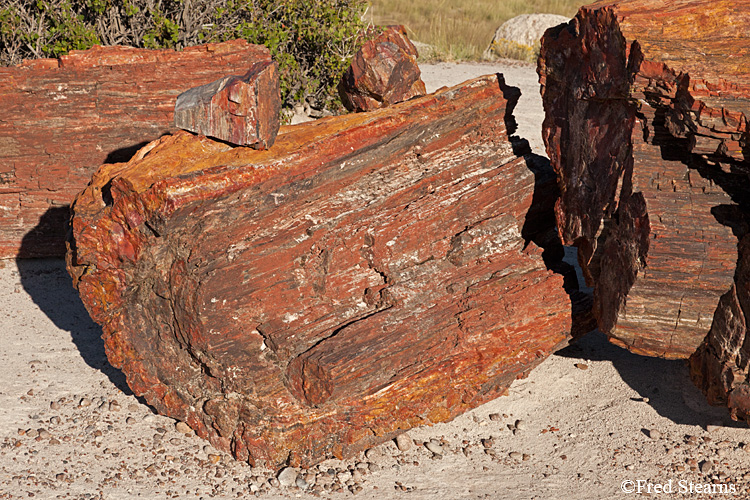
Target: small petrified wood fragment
[(62, 118), (242, 110), (365, 276), (650, 163), (383, 72)]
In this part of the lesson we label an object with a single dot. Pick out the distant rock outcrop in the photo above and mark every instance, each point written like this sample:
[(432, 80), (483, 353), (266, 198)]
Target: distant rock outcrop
[(519, 38)]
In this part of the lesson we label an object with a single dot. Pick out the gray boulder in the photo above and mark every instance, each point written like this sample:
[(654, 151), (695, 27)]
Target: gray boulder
[(518, 38)]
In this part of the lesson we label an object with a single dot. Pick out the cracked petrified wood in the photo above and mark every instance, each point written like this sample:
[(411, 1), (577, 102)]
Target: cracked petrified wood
[(364, 276), (242, 110), (645, 125), (62, 118), (383, 72)]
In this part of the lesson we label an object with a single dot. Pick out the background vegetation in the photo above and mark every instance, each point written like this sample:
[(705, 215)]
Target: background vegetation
[(460, 29)]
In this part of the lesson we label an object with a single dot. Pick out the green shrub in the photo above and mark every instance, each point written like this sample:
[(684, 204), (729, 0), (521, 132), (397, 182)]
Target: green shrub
[(313, 41)]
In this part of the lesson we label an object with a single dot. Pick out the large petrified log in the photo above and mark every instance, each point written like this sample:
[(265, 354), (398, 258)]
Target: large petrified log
[(645, 125), (365, 275), (62, 118)]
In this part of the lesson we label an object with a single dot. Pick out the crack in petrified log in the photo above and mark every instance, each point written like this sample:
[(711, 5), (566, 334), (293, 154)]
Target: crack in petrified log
[(365, 275)]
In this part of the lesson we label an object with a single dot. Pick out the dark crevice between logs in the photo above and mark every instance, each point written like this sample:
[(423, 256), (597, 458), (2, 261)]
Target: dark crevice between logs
[(539, 225)]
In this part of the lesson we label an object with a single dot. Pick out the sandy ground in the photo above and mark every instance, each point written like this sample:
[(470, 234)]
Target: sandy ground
[(587, 422)]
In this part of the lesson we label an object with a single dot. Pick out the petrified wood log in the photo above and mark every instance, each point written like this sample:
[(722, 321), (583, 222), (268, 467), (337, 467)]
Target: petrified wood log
[(650, 163), (63, 118), (242, 110), (366, 275), (383, 72)]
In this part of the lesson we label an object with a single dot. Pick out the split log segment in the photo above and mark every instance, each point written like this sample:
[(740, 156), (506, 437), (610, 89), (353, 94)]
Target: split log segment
[(242, 110), (651, 209), (383, 72), (721, 365), (365, 276), (63, 118)]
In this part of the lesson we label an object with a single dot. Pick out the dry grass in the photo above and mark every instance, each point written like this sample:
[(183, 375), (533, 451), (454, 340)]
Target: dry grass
[(460, 29)]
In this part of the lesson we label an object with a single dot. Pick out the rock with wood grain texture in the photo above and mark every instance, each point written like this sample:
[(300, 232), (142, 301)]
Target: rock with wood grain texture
[(720, 365), (63, 118), (383, 72), (242, 110), (366, 275), (647, 137)]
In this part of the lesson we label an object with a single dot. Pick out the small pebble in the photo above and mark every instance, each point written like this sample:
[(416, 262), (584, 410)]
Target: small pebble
[(44, 433), (130, 420), (520, 425), (488, 442), (526, 457), (54, 405), (403, 442), (373, 454), (515, 455), (114, 406), (301, 483), (84, 402), (373, 467), (54, 420), (654, 434), (495, 417), (214, 458), (706, 467), (183, 428), (581, 366), (274, 482), (434, 446)]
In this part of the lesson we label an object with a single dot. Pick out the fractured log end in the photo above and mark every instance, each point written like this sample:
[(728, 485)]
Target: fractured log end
[(241, 110)]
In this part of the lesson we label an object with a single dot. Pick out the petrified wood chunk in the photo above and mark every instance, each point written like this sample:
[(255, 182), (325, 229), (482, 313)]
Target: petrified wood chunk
[(720, 366), (242, 110), (649, 163), (383, 72), (366, 275), (62, 118)]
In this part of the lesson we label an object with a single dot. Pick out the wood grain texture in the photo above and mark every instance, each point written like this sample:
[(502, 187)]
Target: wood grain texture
[(63, 118), (383, 72), (240, 109), (646, 105), (366, 275)]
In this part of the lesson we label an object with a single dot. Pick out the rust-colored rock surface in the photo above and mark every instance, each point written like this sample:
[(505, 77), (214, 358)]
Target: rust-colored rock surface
[(63, 118), (720, 365), (648, 139), (383, 72), (366, 275), (242, 110)]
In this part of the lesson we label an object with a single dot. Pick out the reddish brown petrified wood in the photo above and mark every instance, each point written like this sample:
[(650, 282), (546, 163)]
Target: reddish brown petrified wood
[(365, 275), (242, 110), (646, 106), (63, 118), (383, 72)]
